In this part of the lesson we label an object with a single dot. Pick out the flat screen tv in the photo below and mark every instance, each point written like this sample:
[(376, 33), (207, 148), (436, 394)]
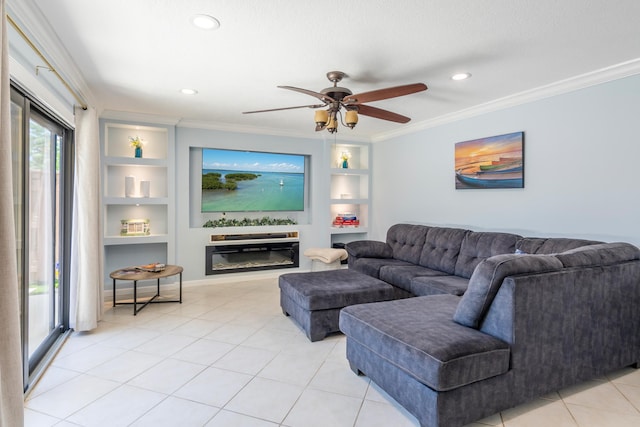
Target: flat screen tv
[(252, 181)]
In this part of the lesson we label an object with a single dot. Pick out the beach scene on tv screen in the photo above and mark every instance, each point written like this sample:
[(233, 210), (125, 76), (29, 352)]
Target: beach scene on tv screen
[(247, 181)]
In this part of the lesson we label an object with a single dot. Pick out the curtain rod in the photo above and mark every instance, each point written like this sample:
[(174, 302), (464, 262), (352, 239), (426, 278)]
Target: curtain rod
[(50, 67)]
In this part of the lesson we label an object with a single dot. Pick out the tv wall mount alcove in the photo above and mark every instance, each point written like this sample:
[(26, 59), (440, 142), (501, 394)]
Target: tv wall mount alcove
[(233, 253)]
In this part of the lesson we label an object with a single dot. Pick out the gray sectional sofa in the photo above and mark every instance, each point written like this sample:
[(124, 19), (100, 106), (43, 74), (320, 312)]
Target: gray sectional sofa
[(494, 319)]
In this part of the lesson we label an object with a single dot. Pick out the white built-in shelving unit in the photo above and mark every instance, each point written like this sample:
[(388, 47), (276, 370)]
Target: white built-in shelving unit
[(156, 166), (349, 190)]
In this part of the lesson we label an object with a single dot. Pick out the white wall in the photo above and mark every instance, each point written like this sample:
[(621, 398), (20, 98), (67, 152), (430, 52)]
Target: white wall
[(582, 154)]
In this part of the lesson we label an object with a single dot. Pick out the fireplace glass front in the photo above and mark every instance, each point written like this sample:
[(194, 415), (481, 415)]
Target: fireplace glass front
[(221, 259)]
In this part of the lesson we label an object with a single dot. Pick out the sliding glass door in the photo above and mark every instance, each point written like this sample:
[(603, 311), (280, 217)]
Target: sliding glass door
[(42, 165)]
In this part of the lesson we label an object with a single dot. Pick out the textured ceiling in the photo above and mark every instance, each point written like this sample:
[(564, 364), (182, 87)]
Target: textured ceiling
[(136, 55)]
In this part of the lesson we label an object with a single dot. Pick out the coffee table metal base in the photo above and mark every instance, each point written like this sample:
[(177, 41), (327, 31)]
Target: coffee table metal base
[(136, 276)]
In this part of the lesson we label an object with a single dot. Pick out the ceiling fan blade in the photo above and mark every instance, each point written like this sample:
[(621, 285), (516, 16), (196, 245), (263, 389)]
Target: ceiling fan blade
[(379, 113), (285, 108), (320, 96), (390, 92)]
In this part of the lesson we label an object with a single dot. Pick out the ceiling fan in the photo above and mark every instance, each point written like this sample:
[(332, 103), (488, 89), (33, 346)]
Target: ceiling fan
[(335, 98)]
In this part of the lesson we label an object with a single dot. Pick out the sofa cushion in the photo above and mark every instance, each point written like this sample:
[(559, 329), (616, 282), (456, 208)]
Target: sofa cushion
[(418, 336), (372, 266), (401, 275), (478, 246), (487, 279), (600, 254), (441, 248), (406, 241), (552, 245), (435, 285)]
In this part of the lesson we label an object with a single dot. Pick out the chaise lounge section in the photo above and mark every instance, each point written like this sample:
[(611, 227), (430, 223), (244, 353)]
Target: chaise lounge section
[(526, 325)]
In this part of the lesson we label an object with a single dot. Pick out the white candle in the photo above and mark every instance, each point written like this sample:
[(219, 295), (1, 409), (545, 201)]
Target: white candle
[(129, 186)]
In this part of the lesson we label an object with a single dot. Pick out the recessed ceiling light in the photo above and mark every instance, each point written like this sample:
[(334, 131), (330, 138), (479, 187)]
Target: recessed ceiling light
[(461, 76), (188, 91), (205, 22)]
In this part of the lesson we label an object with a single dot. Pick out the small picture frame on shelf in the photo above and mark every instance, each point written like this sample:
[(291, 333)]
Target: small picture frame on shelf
[(135, 227)]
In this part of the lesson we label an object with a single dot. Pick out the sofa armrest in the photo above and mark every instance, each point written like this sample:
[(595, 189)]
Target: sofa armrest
[(487, 279), (368, 249)]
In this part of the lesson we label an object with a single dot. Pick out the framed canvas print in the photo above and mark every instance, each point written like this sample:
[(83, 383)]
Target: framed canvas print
[(493, 162)]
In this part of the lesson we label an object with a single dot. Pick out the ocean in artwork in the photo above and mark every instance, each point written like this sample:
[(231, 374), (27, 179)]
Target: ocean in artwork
[(270, 191), (493, 162)]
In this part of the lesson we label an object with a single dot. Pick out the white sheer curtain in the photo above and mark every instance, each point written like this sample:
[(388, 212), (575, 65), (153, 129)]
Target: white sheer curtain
[(87, 271), (11, 386)]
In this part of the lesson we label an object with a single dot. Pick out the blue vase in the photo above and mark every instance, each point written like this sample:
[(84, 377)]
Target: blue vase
[(345, 164), (138, 151)]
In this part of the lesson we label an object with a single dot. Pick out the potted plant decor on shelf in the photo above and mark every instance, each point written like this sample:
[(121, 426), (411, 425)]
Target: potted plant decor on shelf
[(344, 157), (136, 143)]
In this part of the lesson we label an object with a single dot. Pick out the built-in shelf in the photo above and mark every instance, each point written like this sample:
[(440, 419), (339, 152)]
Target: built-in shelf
[(119, 166), (135, 161), (349, 201), (135, 200), (341, 171), (349, 190), (135, 240), (349, 230)]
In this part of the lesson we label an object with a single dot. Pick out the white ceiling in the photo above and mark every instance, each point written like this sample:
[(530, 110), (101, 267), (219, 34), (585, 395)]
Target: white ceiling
[(135, 56)]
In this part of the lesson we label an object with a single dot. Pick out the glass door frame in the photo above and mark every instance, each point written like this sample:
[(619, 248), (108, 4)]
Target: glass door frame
[(35, 363)]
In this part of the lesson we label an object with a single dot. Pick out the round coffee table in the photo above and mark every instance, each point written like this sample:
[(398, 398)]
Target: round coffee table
[(131, 273)]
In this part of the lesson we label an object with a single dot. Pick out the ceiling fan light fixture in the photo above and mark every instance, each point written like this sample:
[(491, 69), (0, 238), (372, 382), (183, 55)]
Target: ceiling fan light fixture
[(461, 76), (205, 22), (332, 125), (321, 117), (351, 118)]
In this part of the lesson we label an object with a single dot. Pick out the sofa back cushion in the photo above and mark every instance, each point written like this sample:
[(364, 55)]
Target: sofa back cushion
[(478, 246), (552, 245), (441, 248), (487, 279), (368, 249), (406, 241), (599, 255)]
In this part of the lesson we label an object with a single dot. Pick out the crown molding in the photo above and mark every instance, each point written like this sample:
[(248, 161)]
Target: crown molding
[(604, 75), (128, 116), (33, 22), (227, 127)]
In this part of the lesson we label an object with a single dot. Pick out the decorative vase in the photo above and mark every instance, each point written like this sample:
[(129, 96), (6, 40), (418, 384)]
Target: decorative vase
[(129, 186), (145, 188), (138, 151), (345, 164)]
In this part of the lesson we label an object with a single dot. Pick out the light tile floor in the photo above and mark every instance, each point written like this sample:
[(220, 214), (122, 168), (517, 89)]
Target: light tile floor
[(228, 357)]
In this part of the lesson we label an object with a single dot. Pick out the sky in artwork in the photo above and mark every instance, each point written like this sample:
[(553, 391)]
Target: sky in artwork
[(251, 161)]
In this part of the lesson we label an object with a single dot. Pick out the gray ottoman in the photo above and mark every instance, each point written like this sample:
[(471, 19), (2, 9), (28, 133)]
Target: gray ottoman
[(315, 299)]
